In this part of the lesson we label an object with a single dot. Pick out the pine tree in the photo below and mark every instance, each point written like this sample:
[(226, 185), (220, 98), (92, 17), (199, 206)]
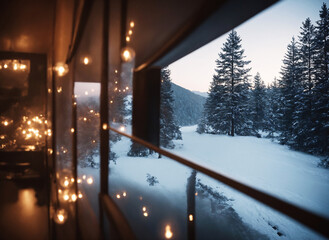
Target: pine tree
[(321, 89), (289, 88), (258, 103), (227, 106), (272, 109), (169, 130), (304, 122)]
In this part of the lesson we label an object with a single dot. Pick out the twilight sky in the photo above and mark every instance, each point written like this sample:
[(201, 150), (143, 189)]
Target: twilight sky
[(264, 37)]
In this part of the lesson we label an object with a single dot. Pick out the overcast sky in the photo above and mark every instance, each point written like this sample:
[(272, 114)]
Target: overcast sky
[(264, 37)]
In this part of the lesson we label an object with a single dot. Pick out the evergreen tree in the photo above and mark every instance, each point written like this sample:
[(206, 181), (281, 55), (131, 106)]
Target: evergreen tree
[(227, 106), (321, 89), (290, 89), (304, 124), (169, 130), (272, 106), (258, 103)]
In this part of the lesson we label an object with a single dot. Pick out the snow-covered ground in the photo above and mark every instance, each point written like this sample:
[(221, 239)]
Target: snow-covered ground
[(258, 162)]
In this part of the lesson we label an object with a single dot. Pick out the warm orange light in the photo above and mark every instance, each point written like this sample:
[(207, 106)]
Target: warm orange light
[(60, 216), (5, 123), (144, 209), (127, 54), (104, 126), (5, 66), (190, 218), (15, 66), (122, 128), (132, 24), (22, 67), (124, 194), (66, 197), (168, 233), (84, 119), (85, 61), (146, 214), (130, 32), (79, 180), (74, 197), (118, 196), (66, 183), (128, 39), (90, 180), (72, 130), (61, 69), (80, 195)]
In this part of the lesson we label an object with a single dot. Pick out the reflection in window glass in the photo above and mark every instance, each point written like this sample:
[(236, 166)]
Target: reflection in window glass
[(22, 121)]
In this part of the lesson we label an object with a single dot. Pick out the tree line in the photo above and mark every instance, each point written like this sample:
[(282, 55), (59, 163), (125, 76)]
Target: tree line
[(294, 108)]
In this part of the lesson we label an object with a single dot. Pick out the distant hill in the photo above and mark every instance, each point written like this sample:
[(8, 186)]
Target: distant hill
[(188, 106), (203, 94)]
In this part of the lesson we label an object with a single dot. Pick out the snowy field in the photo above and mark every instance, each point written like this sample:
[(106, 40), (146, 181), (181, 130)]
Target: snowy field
[(258, 162)]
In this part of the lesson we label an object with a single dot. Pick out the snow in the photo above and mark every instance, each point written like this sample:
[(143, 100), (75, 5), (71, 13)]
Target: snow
[(290, 175)]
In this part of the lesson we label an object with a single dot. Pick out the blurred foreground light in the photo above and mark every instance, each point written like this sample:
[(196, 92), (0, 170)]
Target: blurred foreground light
[(122, 128), (86, 60), (168, 232), (190, 217), (80, 195), (146, 214), (90, 180), (60, 216), (127, 54), (132, 24), (61, 69), (124, 194), (104, 126), (118, 196), (74, 197)]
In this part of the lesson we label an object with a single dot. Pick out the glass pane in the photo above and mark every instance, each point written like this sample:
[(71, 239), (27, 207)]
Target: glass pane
[(88, 140), (261, 126), (151, 191)]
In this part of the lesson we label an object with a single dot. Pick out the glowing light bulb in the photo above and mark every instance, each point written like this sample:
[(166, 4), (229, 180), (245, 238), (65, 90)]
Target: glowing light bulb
[(122, 128), (104, 126), (5, 123), (128, 39), (130, 32), (84, 119), (124, 194), (61, 69), (66, 183), (144, 209), (22, 67), (85, 60), (15, 66), (60, 216), (190, 218), (84, 177), (90, 180), (66, 197), (5, 66), (72, 130), (132, 24), (74, 197), (118, 196), (127, 54), (168, 232), (80, 195), (79, 180), (145, 214)]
